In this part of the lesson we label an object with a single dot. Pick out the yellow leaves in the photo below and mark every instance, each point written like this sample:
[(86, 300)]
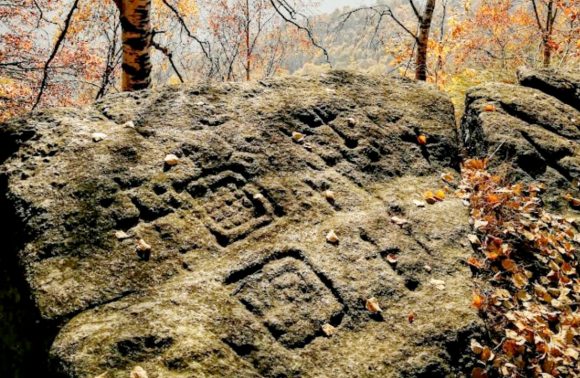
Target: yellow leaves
[(434, 197), (440, 195)]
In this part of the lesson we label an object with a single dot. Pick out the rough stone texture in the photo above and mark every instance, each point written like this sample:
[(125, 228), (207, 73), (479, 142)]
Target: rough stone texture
[(533, 128), (240, 279)]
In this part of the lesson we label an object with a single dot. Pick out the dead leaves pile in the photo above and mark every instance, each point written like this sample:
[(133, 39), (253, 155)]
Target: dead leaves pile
[(531, 259)]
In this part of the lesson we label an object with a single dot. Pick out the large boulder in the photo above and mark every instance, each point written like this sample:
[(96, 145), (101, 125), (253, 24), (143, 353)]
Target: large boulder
[(240, 279), (532, 130)]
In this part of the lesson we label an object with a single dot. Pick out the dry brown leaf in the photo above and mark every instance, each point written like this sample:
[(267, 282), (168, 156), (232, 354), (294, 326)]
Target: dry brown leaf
[(331, 237), (473, 239), (171, 160), (139, 372), (328, 329), (478, 373), (399, 221), (372, 305), (392, 258)]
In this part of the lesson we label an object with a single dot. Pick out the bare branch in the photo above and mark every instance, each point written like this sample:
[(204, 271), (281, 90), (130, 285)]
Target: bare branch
[(390, 12), (416, 11), (205, 45), (290, 18), (165, 51), (59, 42), (537, 15)]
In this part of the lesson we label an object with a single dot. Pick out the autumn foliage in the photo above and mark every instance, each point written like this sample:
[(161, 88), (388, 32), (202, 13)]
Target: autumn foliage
[(530, 293)]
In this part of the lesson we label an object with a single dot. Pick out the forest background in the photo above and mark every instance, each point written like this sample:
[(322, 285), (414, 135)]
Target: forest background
[(69, 52)]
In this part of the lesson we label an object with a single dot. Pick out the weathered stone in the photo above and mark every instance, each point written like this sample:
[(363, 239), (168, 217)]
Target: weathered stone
[(564, 85), (532, 133), (241, 280)]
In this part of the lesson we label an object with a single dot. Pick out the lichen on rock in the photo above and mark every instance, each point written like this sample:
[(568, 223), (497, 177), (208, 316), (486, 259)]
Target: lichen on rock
[(240, 280)]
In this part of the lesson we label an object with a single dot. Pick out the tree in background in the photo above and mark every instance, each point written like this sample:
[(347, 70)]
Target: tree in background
[(420, 37), (546, 13)]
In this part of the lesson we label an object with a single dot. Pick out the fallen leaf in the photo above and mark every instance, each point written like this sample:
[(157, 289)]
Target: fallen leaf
[(328, 329), (411, 317), (440, 195), (439, 284), (476, 347), (372, 305), (331, 237), (399, 221), (429, 196), (447, 177), (139, 372), (420, 203), (121, 235), (97, 137), (477, 301), (422, 140), (509, 265), (392, 258), (489, 108), (473, 239), (479, 224), (487, 354), (143, 246), (478, 373), (475, 262), (298, 137), (519, 280), (171, 160), (329, 195)]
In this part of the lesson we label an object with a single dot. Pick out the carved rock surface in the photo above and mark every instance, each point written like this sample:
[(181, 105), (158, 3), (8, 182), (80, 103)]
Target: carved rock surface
[(240, 279), (533, 129)]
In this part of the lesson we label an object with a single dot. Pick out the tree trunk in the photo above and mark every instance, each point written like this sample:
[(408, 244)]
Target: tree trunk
[(547, 53), (550, 18), (248, 52), (423, 41), (137, 41)]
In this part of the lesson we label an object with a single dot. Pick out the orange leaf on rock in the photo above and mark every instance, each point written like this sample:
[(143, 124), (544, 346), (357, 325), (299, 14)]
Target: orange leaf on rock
[(475, 262), (489, 108), (478, 301), (422, 140)]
